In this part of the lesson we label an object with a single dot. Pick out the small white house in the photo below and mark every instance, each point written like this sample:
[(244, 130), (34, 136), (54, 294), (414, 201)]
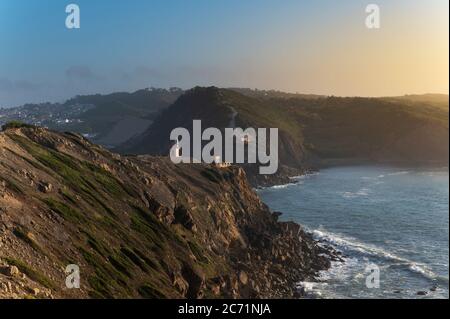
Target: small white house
[(218, 162)]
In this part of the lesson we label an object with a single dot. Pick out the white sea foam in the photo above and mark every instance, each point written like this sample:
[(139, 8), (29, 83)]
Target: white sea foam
[(284, 185), (352, 244), (297, 180), (311, 289), (339, 272), (359, 193), (398, 173), (406, 265), (304, 175), (422, 270), (297, 177)]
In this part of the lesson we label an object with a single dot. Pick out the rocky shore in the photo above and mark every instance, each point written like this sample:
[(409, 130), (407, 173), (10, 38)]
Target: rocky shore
[(284, 175), (139, 227)]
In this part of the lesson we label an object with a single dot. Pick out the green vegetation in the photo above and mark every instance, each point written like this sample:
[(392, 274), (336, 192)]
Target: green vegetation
[(149, 292), (140, 225), (92, 181), (16, 124), (212, 175), (152, 264), (10, 184), (125, 249), (121, 264), (134, 258), (95, 244), (315, 129), (198, 252), (106, 279), (25, 237), (68, 213), (31, 273)]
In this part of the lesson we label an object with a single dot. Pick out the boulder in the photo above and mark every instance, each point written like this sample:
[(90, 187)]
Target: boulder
[(163, 213), (11, 271), (45, 187), (184, 217), (196, 280), (243, 277)]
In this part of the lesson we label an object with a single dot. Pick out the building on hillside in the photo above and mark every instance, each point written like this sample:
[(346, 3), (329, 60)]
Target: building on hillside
[(218, 162)]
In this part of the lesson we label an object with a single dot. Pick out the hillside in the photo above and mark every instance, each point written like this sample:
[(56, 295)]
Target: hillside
[(222, 108), (373, 130), (314, 132), (108, 119), (137, 226), (272, 94), (439, 100)]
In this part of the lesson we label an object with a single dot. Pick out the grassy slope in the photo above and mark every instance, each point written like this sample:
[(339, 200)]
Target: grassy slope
[(104, 226), (137, 227)]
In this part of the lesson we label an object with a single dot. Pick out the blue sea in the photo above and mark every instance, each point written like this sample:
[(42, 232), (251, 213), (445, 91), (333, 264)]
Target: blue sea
[(394, 218)]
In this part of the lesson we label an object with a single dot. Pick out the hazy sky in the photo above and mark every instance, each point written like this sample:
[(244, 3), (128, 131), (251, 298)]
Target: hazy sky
[(310, 46)]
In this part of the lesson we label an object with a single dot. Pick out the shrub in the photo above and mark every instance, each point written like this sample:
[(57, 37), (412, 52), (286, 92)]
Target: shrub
[(31, 273), (15, 124)]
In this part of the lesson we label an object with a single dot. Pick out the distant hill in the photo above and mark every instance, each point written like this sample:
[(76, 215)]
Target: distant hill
[(109, 119), (374, 130), (439, 100), (315, 132), (270, 94)]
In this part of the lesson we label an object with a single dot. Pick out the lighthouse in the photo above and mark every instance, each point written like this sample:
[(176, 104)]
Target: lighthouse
[(177, 150)]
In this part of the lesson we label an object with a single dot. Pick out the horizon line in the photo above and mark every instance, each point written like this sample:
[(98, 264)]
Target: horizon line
[(225, 88)]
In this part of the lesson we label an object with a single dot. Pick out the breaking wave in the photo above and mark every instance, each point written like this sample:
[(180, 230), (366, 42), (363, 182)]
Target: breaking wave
[(345, 243), (359, 193)]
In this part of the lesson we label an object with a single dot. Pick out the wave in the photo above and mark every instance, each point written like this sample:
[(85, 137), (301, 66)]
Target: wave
[(304, 176), (359, 193), (351, 244), (422, 270), (283, 186), (399, 173), (297, 180)]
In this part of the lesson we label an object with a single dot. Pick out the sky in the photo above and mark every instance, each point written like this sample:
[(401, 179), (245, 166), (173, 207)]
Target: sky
[(320, 46)]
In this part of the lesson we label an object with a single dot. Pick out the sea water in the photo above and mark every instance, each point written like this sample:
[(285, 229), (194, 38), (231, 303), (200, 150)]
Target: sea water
[(394, 218)]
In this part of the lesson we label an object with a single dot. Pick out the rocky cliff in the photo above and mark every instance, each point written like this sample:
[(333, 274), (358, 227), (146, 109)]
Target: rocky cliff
[(138, 227)]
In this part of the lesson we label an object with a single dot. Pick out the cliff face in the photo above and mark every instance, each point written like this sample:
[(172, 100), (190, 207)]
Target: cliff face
[(314, 132), (137, 226)]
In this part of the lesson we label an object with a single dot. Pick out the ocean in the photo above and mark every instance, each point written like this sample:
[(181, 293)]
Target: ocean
[(391, 221)]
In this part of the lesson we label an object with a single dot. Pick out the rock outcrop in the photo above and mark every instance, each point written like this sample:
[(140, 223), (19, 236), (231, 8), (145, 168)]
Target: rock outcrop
[(138, 227)]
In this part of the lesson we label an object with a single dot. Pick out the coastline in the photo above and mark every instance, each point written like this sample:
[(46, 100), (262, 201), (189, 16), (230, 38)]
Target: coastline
[(304, 288), (209, 233), (353, 246)]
